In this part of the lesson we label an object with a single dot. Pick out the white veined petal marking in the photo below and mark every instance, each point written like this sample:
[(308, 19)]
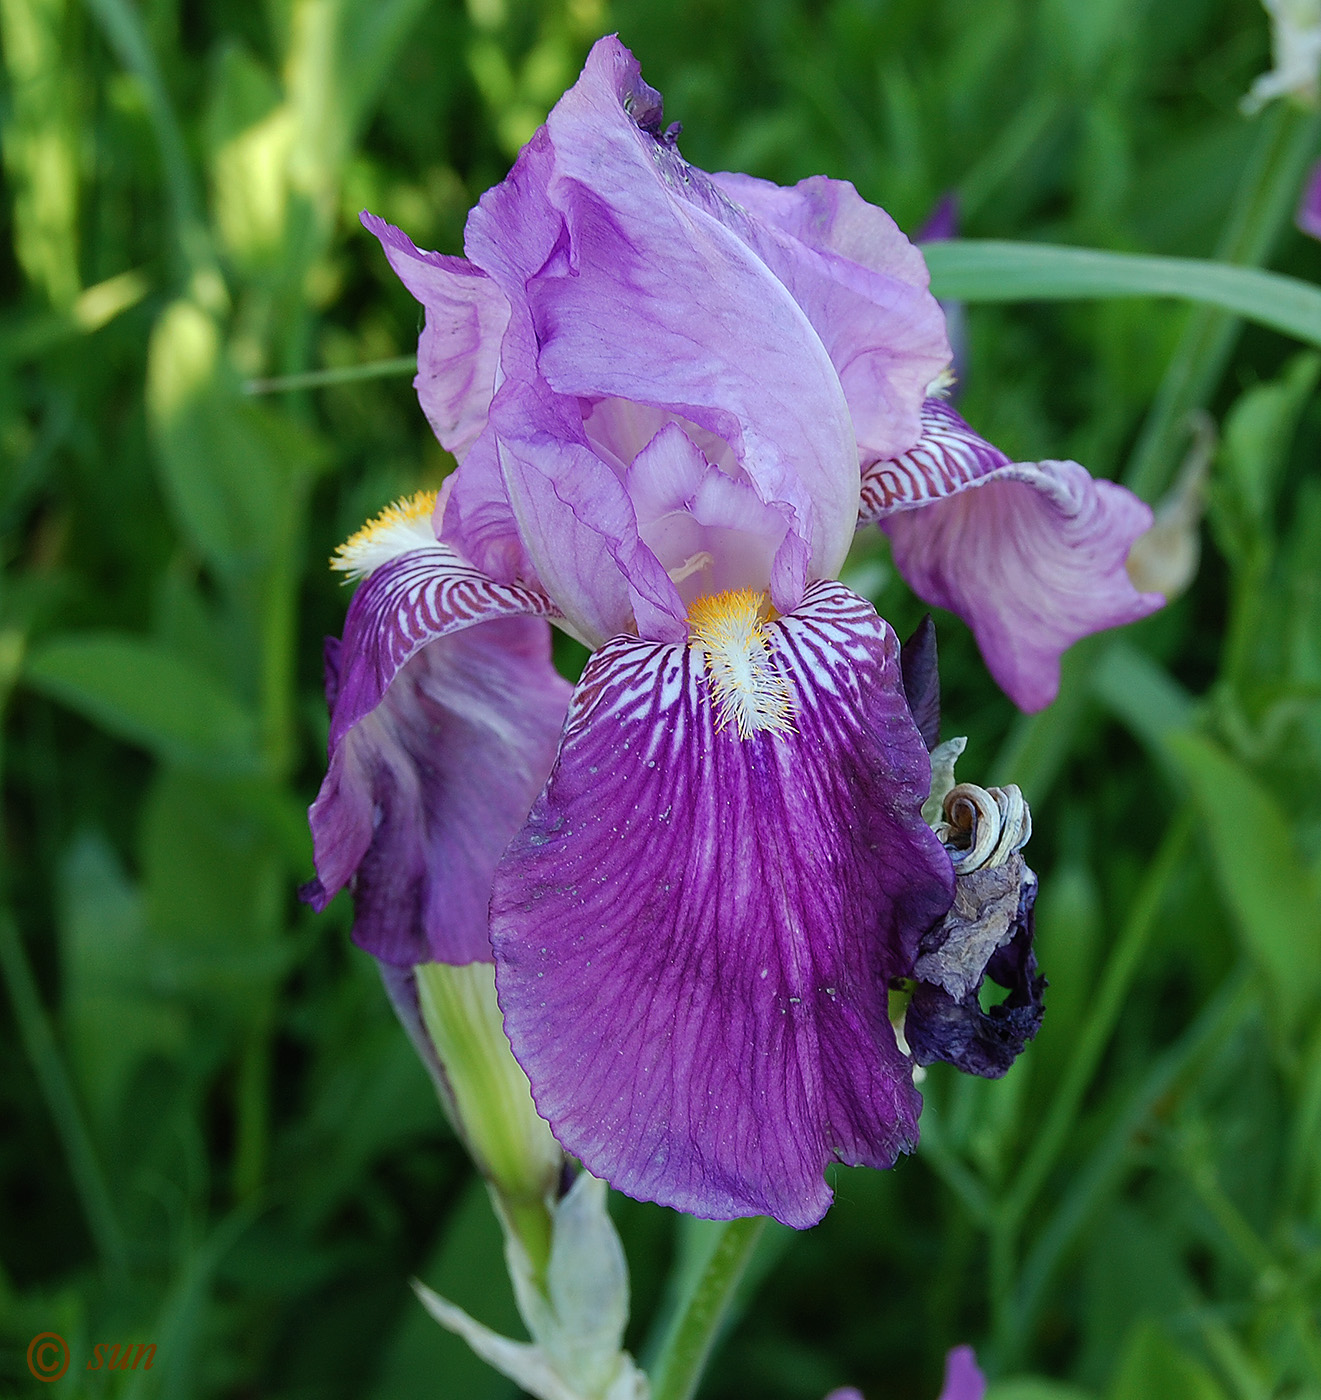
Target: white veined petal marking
[(749, 690), (400, 527)]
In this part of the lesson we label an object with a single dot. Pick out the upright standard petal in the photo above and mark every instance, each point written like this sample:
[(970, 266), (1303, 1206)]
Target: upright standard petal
[(1031, 555), (458, 355), (638, 291), (695, 931), (863, 286), (445, 718)]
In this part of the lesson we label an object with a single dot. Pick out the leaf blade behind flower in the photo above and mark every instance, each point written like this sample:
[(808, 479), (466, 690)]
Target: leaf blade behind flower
[(994, 270)]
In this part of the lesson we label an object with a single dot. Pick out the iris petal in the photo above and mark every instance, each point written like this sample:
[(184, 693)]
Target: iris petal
[(1030, 554), (607, 241), (863, 286), (694, 932), (459, 353), (446, 715)]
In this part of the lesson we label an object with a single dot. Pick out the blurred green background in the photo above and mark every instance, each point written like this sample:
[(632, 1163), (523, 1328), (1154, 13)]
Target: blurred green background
[(213, 1137)]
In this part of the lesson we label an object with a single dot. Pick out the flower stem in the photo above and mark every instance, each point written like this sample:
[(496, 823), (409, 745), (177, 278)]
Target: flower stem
[(321, 378), (687, 1348), (1286, 141), (61, 1099), (1107, 1006)]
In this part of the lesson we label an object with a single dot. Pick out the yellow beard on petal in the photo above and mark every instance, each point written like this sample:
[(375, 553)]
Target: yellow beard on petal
[(398, 528), (749, 690)]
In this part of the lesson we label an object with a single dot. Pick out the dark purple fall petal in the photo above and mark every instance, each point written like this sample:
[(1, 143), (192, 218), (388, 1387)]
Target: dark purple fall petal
[(415, 599), (694, 933), (446, 715), (987, 933), (1031, 555), (424, 793)]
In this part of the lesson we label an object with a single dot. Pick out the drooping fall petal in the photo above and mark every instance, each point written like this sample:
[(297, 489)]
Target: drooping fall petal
[(446, 715), (695, 931)]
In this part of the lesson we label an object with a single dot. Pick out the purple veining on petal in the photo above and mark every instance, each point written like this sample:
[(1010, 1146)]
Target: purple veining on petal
[(946, 458), (459, 352), (1308, 217), (694, 933), (963, 1377), (1030, 554), (415, 599)]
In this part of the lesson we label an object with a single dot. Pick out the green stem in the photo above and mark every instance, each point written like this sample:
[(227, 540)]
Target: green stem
[(321, 378), (57, 1089), (252, 1112), (1104, 1169), (1107, 1007), (1286, 140), (687, 1348), (123, 31)]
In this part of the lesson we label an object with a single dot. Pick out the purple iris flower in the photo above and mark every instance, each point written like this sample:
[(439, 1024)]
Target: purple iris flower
[(1308, 217), (674, 397), (941, 225), (963, 1379)]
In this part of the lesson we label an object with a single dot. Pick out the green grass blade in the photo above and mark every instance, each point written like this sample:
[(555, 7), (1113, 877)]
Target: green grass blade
[(966, 270)]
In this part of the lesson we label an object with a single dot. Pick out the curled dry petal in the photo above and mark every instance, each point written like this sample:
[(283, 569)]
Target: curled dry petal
[(983, 826), (986, 933)]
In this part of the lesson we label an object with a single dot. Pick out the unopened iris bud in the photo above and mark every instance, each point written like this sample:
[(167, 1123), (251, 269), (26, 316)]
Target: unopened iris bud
[(489, 1097)]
